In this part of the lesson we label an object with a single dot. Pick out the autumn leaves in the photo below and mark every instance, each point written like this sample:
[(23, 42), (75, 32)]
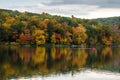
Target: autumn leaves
[(39, 29)]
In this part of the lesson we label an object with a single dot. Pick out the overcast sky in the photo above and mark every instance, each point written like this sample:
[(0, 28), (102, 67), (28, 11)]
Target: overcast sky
[(78, 8)]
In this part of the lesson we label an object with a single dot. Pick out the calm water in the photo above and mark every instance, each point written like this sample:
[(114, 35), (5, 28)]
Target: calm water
[(54, 63)]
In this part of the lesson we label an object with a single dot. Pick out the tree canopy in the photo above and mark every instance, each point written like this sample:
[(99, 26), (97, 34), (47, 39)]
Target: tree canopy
[(27, 28)]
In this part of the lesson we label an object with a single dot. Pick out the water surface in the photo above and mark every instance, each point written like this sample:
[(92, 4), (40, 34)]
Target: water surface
[(59, 63)]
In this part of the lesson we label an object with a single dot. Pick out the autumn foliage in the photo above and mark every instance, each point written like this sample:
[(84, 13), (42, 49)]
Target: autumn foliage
[(39, 29)]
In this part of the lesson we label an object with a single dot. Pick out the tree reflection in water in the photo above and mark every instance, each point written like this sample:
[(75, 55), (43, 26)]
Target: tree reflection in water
[(27, 61)]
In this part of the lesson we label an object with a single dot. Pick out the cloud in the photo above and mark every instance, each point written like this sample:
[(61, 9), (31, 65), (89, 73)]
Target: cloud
[(66, 10), (79, 9), (100, 3)]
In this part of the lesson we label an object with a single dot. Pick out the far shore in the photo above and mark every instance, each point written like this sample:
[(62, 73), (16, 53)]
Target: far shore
[(56, 45)]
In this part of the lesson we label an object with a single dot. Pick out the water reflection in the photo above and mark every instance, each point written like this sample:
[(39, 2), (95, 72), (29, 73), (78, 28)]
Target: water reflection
[(28, 61)]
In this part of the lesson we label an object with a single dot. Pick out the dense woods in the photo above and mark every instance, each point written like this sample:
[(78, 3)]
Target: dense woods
[(32, 28)]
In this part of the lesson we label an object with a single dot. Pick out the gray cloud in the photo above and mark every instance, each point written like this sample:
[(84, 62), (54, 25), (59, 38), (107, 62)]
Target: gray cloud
[(66, 10), (100, 3), (78, 8)]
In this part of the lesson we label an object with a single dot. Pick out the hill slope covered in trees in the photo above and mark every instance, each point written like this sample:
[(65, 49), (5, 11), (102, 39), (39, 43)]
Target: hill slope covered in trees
[(33, 28)]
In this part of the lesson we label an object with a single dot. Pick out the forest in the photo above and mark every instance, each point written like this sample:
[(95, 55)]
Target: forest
[(39, 29)]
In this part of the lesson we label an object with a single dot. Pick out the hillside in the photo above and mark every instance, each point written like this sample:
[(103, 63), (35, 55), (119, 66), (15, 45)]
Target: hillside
[(27, 28)]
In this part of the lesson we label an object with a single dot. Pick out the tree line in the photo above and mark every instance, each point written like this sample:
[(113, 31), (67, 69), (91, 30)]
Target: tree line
[(32, 28)]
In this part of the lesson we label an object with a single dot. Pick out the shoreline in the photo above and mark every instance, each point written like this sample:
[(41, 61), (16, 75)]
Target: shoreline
[(57, 45)]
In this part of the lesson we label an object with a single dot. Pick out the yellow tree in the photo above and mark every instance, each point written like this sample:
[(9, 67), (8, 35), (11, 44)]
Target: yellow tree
[(66, 38), (9, 21), (63, 40), (43, 24), (79, 34), (53, 38), (39, 36), (105, 34), (107, 40)]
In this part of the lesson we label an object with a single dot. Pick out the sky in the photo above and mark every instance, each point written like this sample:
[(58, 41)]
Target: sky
[(79, 8)]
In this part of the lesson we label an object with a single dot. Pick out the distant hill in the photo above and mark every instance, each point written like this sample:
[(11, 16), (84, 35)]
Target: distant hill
[(105, 21), (25, 27), (110, 20)]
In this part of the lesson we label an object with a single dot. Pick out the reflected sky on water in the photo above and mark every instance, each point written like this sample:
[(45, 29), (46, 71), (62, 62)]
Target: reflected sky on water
[(85, 75)]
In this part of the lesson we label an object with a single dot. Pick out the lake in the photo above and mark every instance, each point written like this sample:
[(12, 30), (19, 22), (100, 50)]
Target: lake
[(59, 63)]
